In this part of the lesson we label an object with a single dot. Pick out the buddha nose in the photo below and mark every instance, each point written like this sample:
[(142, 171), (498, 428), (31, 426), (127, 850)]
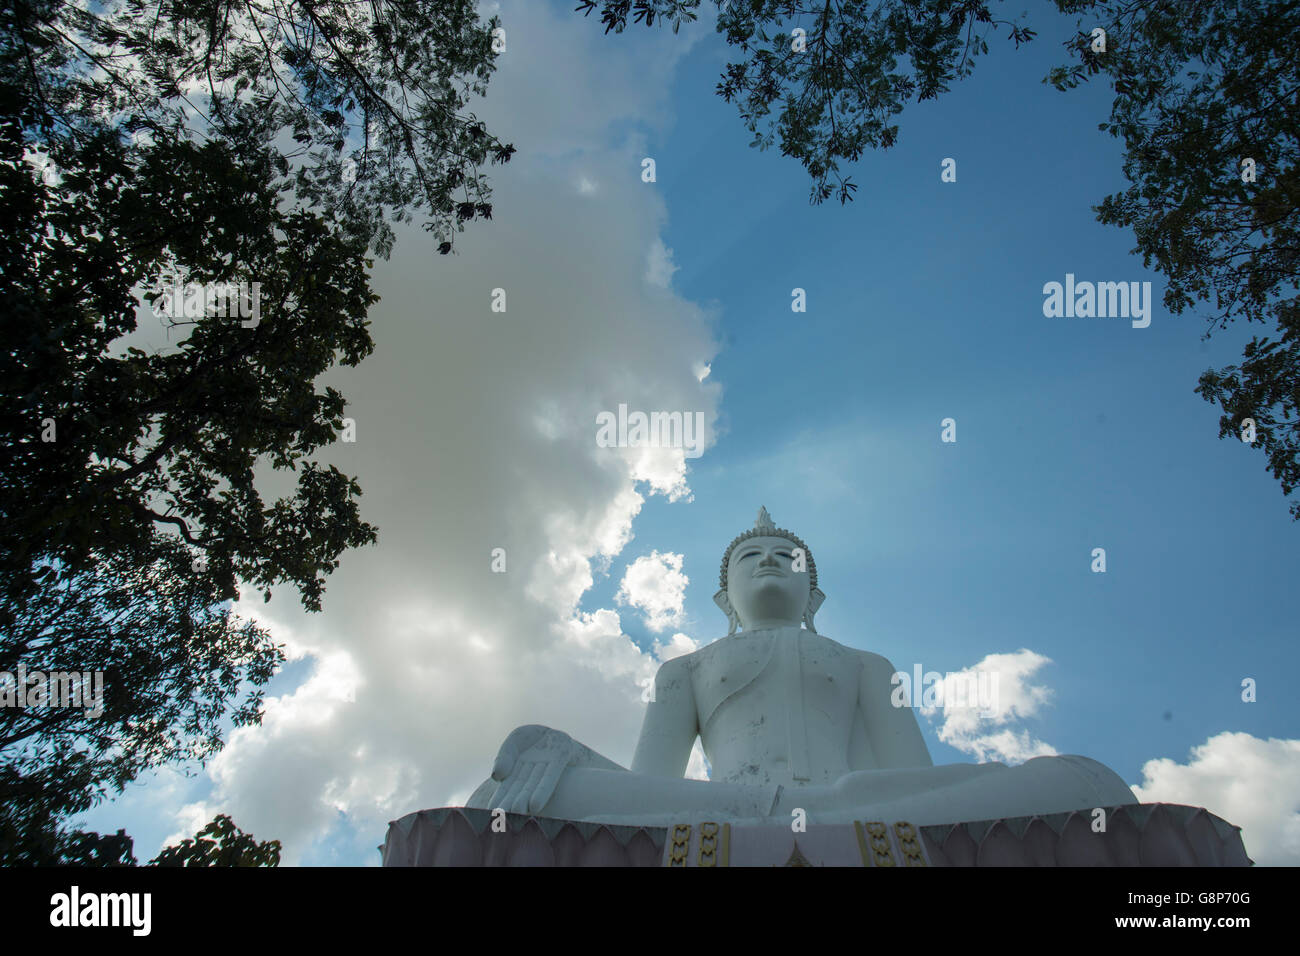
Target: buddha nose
[(768, 560)]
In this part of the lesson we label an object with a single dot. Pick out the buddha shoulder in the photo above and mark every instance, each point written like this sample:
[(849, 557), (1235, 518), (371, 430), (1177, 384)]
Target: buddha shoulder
[(876, 668), (716, 670), (707, 658)]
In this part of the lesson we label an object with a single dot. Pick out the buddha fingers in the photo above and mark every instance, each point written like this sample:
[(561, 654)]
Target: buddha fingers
[(547, 787), (531, 777), (509, 789)]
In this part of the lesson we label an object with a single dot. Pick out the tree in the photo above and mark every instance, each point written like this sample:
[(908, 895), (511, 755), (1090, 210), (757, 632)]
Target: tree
[(1200, 87), (839, 80), (371, 94), (26, 840), (107, 448), (141, 140), (220, 843), (176, 660)]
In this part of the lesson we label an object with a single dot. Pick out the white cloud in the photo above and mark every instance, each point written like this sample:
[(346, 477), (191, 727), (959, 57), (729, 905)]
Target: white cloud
[(675, 646), (655, 584), (663, 469), (1252, 783), (599, 639), (660, 267), (976, 723), (562, 82)]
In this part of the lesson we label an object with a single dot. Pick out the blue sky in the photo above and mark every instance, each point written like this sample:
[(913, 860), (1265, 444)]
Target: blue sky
[(924, 302)]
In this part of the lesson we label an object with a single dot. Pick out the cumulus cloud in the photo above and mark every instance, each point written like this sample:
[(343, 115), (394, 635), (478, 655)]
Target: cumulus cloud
[(655, 585), (475, 430), (662, 468), (599, 640), (675, 646), (979, 703), (659, 267), (1247, 781)]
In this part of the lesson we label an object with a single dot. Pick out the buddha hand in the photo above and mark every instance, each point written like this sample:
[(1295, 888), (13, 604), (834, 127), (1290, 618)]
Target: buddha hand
[(529, 765)]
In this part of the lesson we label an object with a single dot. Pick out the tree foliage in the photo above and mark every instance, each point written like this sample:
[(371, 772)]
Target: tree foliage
[(108, 443), (1199, 86), (220, 843), (175, 660), (128, 495), (368, 99), (30, 839), (151, 142), (832, 93)]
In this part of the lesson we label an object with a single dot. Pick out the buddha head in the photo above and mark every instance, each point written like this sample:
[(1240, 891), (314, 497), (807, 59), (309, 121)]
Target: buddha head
[(759, 584)]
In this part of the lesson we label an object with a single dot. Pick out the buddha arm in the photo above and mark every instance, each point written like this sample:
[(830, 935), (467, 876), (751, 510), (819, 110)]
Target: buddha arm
[(892, 733), (670, 727)]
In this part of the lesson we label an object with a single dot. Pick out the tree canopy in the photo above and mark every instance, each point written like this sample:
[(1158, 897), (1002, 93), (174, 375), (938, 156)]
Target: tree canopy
[(220, 843), (156, 145), (365, 102)]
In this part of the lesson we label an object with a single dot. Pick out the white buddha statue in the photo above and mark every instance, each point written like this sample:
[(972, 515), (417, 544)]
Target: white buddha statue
[(789, 720)]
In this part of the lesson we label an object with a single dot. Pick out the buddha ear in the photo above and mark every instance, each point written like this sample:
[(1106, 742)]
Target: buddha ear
[(815, 599), (723, 600)]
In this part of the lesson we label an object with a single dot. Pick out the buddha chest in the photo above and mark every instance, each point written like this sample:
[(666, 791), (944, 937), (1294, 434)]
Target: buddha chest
[(777, 706)]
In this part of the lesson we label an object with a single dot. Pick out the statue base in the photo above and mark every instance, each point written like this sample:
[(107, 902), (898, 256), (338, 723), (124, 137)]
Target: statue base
[(1150, 834)]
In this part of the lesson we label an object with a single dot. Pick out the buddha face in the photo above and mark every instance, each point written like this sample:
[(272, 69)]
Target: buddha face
[(763, 589)]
